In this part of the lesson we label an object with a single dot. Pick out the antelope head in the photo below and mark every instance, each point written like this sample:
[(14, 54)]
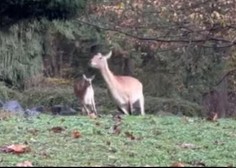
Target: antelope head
[(99, 61), (88, 81)]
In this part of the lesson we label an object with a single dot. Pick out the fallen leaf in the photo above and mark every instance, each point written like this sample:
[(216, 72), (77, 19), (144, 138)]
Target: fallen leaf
[(44, 154), (187, 120), (57, 129), (97, 124), (33, 131), (177, 164), (15, 148), (76, 134), (117, 118), (108, 165), (197, 164), (130, 135), (116, 130), (19, 148), (230, 165), (111, 157), (24, 164), (188, 145), (4, 115), (33, 140), (219, 142), (108, 143), (116, 127)]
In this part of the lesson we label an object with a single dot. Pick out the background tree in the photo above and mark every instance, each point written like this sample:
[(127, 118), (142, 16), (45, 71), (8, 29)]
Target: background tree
[(25, 29), (182, 51), (184, 46)]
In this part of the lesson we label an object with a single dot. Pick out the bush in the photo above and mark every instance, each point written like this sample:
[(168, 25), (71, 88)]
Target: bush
[(36, 9), (154, 105), (53, 94), (48, 96), (8, 94)]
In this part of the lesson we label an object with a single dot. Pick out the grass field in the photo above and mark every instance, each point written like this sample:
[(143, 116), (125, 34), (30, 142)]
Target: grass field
[(134, 141)]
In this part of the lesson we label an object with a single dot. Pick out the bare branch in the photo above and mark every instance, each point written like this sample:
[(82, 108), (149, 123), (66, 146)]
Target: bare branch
[(159, 39), (225, 75)]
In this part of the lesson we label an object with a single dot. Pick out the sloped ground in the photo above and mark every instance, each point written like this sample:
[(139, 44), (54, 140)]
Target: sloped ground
[(118, 141), (60, 92)]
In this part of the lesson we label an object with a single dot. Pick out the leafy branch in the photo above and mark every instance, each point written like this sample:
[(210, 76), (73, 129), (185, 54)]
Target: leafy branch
[(161, 39)]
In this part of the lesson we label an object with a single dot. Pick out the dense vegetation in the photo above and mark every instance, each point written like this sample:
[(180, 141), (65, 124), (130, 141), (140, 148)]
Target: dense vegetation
[(182, 52), (14, 11)]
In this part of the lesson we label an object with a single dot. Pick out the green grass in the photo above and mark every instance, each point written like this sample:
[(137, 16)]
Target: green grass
[(157, 141)]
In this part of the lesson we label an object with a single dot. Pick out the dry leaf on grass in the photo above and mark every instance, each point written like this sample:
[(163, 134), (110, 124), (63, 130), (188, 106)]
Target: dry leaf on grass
[(177, 164), (230, 165), (108, 143), (117, 118), (197, 163), (62, 120), (130, 135), (15, 148), (24, 164), (44, 154), (188, 145), (57, 129), (219, 142), (75, 134), (187, 119), (97, 123), (33, 131), (116, 130), (4, 115)]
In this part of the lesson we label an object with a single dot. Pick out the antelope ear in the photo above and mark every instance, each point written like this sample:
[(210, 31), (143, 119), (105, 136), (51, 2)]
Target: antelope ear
[(108, 55), (84, 76), (92, 78)]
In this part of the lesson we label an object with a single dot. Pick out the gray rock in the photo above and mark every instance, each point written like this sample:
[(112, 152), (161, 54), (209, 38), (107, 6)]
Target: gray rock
[(13, 106), (63, 110), (31, 113), (39, 109), (1, 103), (34, 112)]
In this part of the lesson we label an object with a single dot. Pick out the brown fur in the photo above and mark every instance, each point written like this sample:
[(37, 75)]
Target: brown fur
[(126, 91), (81, 88)]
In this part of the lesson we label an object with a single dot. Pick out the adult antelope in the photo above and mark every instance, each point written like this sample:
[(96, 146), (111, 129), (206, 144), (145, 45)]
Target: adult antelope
[(126, 91), (83, 90)]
